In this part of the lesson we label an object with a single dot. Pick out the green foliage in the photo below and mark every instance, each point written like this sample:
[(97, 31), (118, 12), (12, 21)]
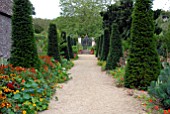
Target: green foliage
[(115, 50), (44, 23), (97, 46), (70, 50), (24, 50), (75, 49), (160, 89), (105, 46), (100, 46), (143, 64), (42, 43), (53, 48), (82, 16), (38, 29), (64, 46), (30, 90), (118, 74)]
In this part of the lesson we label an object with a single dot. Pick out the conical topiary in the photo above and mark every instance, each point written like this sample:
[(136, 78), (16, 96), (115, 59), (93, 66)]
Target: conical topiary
[(24, 50), (143, 64), (64, 46), (53, 48), (70, 50), (115, 50), (105, 46)]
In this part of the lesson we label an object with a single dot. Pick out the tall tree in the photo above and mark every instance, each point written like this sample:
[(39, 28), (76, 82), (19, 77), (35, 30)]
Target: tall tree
[(64, 46), (82, 16), (24, 50), (53, 48), (105, 46), (70, 50), (143, 63), (115, 50)]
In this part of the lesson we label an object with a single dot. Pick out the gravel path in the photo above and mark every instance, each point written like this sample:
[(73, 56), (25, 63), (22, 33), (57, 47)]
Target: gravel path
[(92, 92)]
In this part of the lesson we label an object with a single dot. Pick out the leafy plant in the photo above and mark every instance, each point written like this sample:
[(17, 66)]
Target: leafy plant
[(160, 89), (118, 74), (143, 64)]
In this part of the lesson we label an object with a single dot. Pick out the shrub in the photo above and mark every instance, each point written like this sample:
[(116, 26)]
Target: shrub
[(115, 50), (160, 89), (118, 74), (24, 50), (143, 65), (38, 29), (97, 46), (64, 46), (100, 46), (53, 48), (70, 50), (105, 46)]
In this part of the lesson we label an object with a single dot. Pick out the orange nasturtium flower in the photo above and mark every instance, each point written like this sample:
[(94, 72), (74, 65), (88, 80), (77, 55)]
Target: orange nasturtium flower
[(156, 107), (2, 96), (2, 105), (165, 112), (150, 100)]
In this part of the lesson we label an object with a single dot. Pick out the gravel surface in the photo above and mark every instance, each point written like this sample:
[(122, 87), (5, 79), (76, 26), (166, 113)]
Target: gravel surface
[(91, 91)]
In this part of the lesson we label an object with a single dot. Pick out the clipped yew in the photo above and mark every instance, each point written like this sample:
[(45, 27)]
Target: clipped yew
[(64, 46), (53, 47), (70, 50), (115, 49), (143, 65), (105, 46), (100, 47), (24, 50)]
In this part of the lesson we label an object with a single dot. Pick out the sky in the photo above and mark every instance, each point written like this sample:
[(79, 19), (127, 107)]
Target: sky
[(49, 9)]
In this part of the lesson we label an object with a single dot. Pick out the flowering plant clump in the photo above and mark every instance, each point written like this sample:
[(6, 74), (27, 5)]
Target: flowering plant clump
[(27, 90), (118, 74)]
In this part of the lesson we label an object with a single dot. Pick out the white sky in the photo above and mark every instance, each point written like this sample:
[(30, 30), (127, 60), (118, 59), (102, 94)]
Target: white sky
[(49, 9)]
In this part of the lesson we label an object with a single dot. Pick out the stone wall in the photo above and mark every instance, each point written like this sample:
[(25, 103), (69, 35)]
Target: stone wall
[(5, 28), (5, 36), (6, 6)]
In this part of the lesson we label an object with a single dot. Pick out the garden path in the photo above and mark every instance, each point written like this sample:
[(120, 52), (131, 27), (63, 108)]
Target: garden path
[(91, 91)]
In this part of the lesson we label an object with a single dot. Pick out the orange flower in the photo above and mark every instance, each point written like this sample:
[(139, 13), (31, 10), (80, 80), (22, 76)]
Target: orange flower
[(150, 100), (156, 107), (46, 68), (23, 81), (2, 96), (2, 105), (165, 112), (168, 110), (144, 104), (32, 70), (20, 69)]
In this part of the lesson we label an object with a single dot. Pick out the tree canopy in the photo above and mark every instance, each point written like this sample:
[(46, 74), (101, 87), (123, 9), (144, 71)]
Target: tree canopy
[(80, 17)]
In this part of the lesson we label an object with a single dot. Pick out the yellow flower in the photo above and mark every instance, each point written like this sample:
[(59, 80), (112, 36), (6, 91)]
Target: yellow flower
[(12, 75), (34, 104), (17, 91), (41, 99), (24, 112), (22, 89)]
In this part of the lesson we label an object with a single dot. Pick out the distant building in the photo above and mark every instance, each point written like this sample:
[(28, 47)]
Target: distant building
[(5, 28)]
